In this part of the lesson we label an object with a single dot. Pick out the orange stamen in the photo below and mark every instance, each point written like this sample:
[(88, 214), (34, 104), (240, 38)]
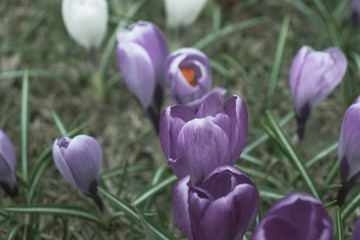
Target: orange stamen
[(189, 75)]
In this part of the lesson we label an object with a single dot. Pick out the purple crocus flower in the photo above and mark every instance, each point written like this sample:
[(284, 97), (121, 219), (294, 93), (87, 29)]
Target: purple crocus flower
[(356, 231), (355, 11), (79, 161), (188, 75), (349, 149), (197, 143), (313, 75), (141, 52), (7, 165), (295, 217), (223, 206)]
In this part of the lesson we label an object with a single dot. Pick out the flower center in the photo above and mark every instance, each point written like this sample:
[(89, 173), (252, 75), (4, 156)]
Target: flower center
[(64, 142), (189, 75)]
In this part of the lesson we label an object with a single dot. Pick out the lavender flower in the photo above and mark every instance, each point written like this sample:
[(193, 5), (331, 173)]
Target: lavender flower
[(295, 217), (356, 231), (197, 143), (223, 206), (355, 11), (313, 75), (79, 161), (188, 75), (349, 149), (7, 165), (142, 51)]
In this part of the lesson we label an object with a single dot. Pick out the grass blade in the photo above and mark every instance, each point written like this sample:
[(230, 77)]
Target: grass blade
[(274, 76), (339, 230), (350, 206), (13, 231), (270, 193), (60, 210), (213, 37), (24, 125), (58, 123), (260, 175), (31, 73), (293, 157), (133, 216), (325, 152)]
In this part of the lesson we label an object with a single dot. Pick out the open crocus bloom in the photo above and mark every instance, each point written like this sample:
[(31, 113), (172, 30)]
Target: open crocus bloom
[(223, 206), (7, 165), (197, 143), (295, 217), (86, 21), (313, 75), (188, 75), (79, 161)]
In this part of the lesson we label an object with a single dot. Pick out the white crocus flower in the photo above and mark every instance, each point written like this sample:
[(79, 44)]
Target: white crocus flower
[(182, 13), (86, 21)]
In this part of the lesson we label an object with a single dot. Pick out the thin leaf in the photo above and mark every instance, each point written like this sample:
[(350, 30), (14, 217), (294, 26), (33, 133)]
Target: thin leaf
[(58, 123), (59, 210), (339, 230), (293, 157), (221, 69), (251, 159), (155, 189), (120, 171), (320, 155), (132, 215), (13, 231), (215, 36), (274, 76), (31, 73), (260, 175), (34, 183), (350, 206), (24, 126), (332, 173), (266, 192), (329, 204)]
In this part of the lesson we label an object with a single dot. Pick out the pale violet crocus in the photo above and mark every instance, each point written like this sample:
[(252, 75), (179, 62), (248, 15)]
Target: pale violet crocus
[(188, 73), (295, 217), (7, 165), (223, 206), (349, 149), (142, 51), (355, 11), (86, 21), (313, 76), (79, 161), (182, 13), (195, 143), (356, 231)]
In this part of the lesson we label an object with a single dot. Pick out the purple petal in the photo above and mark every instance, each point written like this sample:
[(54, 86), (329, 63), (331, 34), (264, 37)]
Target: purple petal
[(180, 206), (205, 146), (236, 109), (211, 105), (7, 165), (138, 71), (180, 167), (194, 105), (172, 120), (356, 231), (349, 152)]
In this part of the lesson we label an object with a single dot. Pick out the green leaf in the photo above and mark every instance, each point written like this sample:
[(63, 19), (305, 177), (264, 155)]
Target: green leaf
[(223, 32), (221, 69), (13, 231), (24, 125), (292, 156), (133, 216), (31, 73), (260, 175), (266, 192), (58, 123), (350, 206), (155, 189), (339, 230), (35, 181), (274, 76), (59, 210), (120, 171), (323, 153)]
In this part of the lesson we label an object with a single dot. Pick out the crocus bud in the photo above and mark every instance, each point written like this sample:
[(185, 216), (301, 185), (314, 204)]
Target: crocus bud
[(355, 11), (79, 162), (182, 13), (188, 75), (142, 51), (197, 143), (295, 217), (313, 75), (356, 231), (349, 150), (86, 21), (7, 165), (223, 206)]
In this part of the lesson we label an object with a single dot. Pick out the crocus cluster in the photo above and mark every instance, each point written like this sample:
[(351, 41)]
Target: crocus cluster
[(313, 75), (349, 149), (79, 161), (7, 165), (86, 21), (295, 217)]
